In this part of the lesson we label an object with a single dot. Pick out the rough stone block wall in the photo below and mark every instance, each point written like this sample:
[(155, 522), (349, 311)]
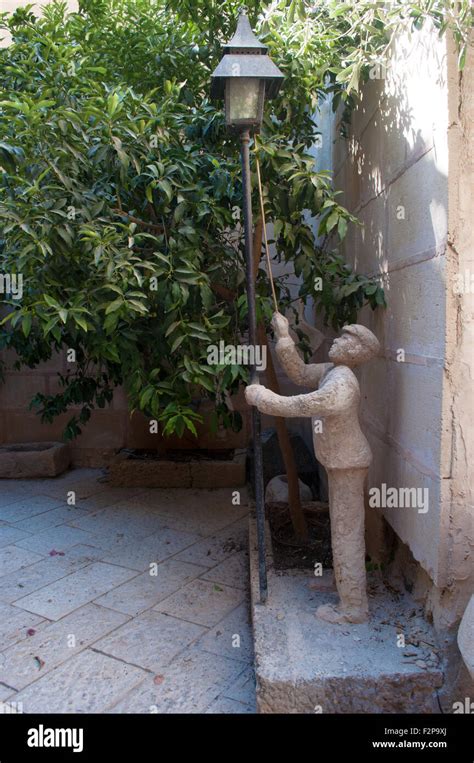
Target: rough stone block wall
[(406, 171), (393, 171)]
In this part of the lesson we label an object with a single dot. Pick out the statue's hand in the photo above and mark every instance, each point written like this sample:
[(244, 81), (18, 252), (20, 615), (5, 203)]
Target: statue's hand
[(280, 325), (253, 393)]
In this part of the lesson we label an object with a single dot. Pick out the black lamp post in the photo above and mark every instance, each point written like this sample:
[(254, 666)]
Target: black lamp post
[(244, 77)]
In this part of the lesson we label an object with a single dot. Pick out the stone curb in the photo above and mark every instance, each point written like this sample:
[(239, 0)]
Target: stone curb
[(210, 473)]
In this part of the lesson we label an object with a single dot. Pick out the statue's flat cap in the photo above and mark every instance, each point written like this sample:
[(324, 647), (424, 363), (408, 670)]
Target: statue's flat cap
[(367, 339)]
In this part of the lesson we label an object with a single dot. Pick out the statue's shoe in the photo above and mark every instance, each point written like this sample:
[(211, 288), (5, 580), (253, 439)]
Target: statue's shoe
[(334, 614)]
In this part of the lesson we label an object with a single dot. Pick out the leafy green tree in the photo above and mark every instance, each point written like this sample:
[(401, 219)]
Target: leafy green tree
[(120, 189)]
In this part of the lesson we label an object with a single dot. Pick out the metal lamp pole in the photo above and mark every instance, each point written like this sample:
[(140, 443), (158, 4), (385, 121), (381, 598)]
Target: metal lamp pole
[(252, 318), (244, 78)]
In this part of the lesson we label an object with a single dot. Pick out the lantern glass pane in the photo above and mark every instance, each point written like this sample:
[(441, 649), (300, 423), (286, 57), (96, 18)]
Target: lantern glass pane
[(243, 98)]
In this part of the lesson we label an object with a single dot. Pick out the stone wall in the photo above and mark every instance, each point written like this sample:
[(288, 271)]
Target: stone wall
[(394, 174), (387, 170), (108, 430), (406, 171), (457, 442)]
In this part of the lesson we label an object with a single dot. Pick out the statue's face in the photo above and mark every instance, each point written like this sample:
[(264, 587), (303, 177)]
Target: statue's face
[(345, 350)]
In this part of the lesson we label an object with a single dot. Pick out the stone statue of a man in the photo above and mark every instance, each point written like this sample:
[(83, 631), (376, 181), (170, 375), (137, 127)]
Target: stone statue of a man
[(339, 445)]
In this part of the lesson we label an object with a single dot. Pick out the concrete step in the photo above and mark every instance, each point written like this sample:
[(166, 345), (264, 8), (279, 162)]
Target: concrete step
[(306, 665)]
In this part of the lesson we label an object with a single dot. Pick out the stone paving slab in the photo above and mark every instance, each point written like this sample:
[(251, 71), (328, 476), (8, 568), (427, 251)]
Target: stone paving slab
[(150, 641), (126, 653), (63, 596), (55, 539), (104, 544), (13, 558), (189, 685), (11, 492), (232, 636), (201, 602), (82, 485), (243, 689), (109, 497), (5, 692), (9, 535), (21, 582), (120, 519), (14, 625), (51, 518), (193, 510), (87, 683), (218, 546), (232, 571), (225, 706), (146, 590), (30, 659), (153, 549), (27, 507)]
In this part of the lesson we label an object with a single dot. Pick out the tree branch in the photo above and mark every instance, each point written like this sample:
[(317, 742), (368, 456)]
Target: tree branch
[(137, 221)]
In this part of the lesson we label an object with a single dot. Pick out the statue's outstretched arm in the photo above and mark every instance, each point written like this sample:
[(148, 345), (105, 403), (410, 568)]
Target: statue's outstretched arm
[(336, 397), (302, 374)]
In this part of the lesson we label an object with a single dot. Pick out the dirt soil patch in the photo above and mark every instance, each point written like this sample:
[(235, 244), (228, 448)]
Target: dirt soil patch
[(290, 554)]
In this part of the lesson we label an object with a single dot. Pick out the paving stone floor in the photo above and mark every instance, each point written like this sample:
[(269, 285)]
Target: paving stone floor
[(130, 601)]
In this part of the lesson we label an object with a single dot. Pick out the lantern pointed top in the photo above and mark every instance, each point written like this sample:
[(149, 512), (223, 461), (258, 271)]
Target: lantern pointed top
[(244, 37), (245, 60)]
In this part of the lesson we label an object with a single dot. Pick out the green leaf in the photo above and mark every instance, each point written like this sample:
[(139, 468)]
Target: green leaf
[(380, 297), (165, 186), (26, 324), (146, 397), (342, 227), (111, 352), (207, 296), (371, 289), (112, 103), (351, 288), (172, 327), (177, 342), (49, 326), (51, 302), (190, 425), (115, 305), (332, 221), (81, 322)]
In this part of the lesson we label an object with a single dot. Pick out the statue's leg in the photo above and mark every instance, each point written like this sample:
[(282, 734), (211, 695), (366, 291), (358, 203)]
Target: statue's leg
[(346, 509)]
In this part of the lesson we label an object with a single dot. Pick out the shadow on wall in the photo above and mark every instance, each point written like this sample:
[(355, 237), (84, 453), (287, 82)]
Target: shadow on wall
[(395, 180)]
